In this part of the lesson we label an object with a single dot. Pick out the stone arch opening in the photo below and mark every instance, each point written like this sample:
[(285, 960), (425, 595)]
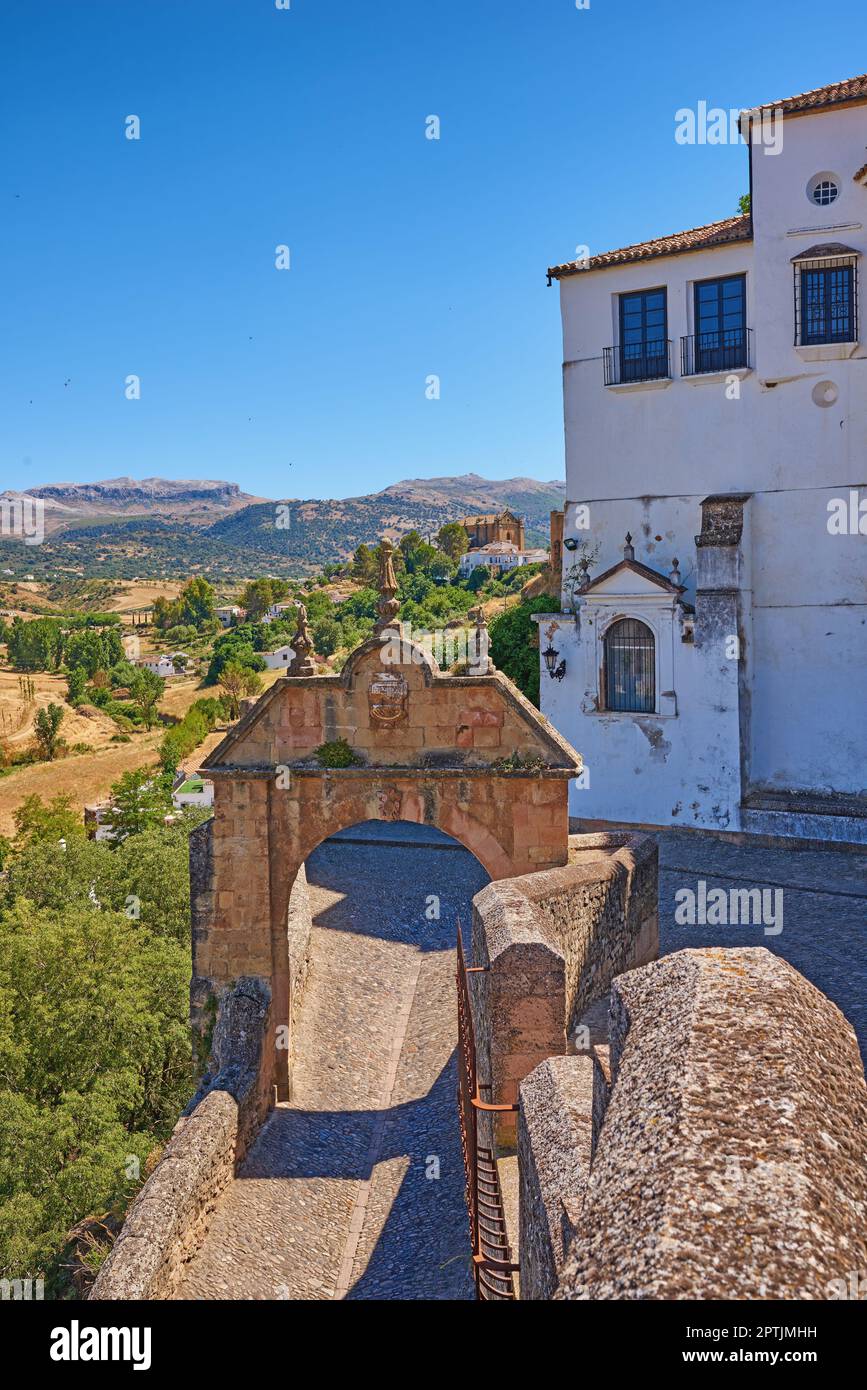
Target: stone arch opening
[(390, 738)]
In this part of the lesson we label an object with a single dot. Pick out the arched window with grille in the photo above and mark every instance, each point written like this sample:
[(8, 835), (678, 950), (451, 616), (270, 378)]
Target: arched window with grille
[(630, 667)]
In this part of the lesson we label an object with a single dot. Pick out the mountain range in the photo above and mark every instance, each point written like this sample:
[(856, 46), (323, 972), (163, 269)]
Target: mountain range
[(123, 528)]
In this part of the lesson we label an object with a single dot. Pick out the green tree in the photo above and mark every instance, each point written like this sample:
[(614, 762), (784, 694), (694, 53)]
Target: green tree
[(36, 645), (43, 822), (146, 690), (95, 1067), (236, 681), (141, 798), (194, 606), (744, 204), (364, 564), (441, 567), (478, 578), (515, 643), (196, 602), (94, 649), (76, 686), (259, 595), (417, 553), (453, 539), (241, 645), (47, 730), (327, 636)]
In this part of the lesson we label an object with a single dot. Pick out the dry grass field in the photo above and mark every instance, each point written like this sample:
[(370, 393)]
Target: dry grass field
[(87, 777)]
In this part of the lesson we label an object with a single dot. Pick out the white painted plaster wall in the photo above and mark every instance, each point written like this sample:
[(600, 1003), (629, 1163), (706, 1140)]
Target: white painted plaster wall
[(643, 460)]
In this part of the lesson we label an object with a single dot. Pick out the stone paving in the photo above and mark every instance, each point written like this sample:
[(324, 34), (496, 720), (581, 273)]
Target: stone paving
[(355, 1189), (824, 909), (335, 1199)]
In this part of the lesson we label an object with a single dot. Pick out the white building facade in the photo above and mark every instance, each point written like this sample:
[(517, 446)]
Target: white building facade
[(160, 665), (710, 666), (281, 657), (500, 557)]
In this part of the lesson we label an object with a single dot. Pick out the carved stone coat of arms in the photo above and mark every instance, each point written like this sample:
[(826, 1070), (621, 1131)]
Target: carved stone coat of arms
[(388, 699)]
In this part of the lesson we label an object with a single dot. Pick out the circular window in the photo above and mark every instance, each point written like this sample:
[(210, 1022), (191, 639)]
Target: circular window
[(823, 189)]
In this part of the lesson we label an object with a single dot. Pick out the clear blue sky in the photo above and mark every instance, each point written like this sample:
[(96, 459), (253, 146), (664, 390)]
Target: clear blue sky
[(409, 257)]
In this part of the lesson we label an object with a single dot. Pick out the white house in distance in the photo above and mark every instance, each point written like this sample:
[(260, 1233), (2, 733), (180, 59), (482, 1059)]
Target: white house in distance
[(229, 614), (281, 657), (712, 667), (160, 665), (193, 791), (278, 610), (499, 556)]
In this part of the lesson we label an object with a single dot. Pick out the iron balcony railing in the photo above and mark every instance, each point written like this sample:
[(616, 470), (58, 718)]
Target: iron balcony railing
[(626, 362), (722, 351), (492, 1261)]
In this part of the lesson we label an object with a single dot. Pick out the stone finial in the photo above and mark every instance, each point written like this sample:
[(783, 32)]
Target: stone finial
[(674, 577), (628, 549), (388, 606), (302, 663), (481, 663)]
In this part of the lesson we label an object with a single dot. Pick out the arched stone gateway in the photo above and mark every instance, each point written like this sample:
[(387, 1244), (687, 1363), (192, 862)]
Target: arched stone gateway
[(467, 754)]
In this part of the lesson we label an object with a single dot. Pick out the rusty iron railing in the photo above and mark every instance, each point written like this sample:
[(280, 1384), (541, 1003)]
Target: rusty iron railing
[(492, 1255)]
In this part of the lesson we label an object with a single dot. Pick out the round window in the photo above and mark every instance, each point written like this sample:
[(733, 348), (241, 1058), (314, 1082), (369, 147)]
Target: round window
[(823, 189)]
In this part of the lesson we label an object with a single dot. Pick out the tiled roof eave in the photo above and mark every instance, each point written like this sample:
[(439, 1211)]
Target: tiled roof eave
[(644, 251), (852, 91)]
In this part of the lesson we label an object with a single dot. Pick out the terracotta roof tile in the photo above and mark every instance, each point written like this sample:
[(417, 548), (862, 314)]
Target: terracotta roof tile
[(835, 94), (861, 175), (853, 89), (696, 239)]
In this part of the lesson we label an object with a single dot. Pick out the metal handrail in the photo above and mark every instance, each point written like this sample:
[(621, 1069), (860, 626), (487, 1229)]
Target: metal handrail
[(491, 1252), (724, 350), (645, 361)]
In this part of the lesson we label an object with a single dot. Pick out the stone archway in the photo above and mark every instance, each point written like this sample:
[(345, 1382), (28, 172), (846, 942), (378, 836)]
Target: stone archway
[(467, 754)]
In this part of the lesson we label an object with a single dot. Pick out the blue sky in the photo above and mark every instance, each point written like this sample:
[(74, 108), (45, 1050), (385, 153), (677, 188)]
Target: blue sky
[(409, 257)]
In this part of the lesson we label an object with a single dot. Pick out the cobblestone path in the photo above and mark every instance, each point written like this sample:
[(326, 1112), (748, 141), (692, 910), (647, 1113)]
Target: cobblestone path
[(355, 1189), (824, 909)]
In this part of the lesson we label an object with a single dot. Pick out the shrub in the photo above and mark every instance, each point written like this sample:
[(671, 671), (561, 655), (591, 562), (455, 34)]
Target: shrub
[(515, 643), (337, 753)]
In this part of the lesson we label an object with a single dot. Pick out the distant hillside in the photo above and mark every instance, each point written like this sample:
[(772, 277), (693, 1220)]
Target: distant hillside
[(127, 492), (199, 501), (156, 528)]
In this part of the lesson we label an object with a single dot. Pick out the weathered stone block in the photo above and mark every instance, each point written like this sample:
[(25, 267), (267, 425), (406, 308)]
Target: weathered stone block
[(730, 1160), (554, 1146)]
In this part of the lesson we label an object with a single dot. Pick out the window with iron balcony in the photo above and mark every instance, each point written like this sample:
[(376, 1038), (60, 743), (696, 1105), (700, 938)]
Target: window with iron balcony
[(644, 350), (721, 341)]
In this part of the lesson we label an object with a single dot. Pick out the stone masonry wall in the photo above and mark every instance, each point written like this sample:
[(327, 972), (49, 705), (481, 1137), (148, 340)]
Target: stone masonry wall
[(602, 909), (469, 755), (554, 1139), (170, 1217), (518, 998), (729, 1164), (551, 943)]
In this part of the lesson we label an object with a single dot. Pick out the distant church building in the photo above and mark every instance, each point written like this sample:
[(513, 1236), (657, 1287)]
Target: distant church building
[(494, 527)]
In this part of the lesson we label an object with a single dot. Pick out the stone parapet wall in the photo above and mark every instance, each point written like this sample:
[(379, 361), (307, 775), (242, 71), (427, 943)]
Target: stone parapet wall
[(729, 1163), (602, 908), (299, 925), (517, 996), (550, 944), (554, 1142), (170, 1217)]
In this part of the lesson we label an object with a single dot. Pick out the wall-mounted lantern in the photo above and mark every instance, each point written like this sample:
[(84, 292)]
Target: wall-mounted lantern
[(571, 543), (555, 670)]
